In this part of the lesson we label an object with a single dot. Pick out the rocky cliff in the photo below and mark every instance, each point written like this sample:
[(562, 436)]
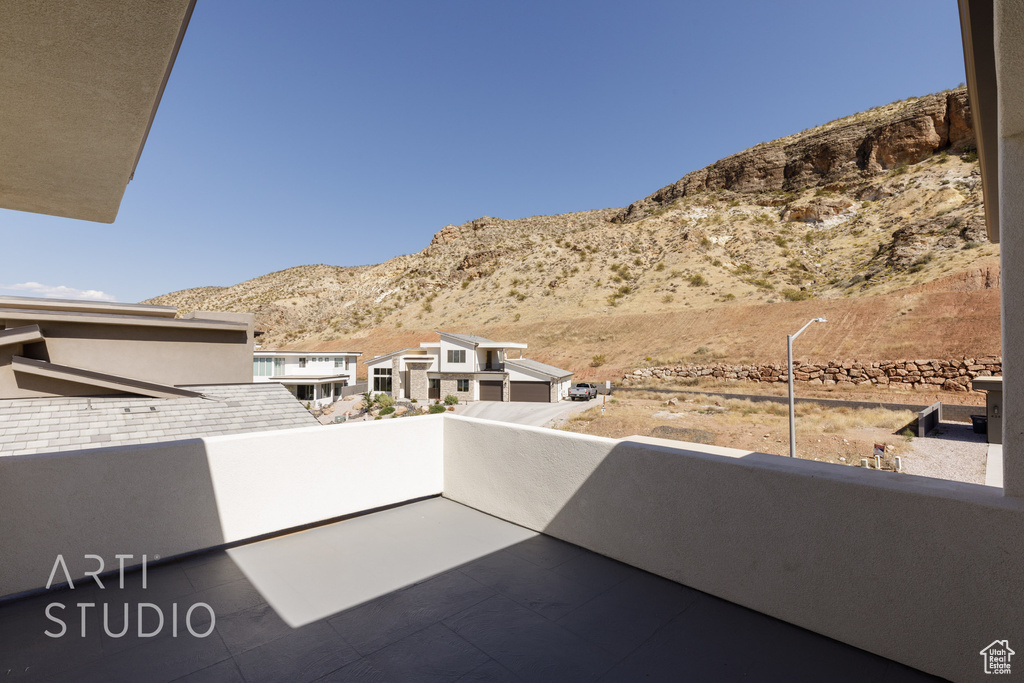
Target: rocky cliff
[(850, 149)]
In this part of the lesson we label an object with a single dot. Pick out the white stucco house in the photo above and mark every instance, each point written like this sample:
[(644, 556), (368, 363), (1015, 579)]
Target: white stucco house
[(470, 367), (314, 377)]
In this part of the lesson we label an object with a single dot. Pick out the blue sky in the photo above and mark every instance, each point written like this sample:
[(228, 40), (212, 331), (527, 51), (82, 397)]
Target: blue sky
[(347, 132)]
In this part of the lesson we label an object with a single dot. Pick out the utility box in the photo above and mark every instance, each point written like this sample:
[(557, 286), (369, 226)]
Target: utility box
[(993, 388)]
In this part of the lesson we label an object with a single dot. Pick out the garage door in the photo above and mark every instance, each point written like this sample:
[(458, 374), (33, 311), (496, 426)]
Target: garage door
[(539, 392), (490, 390)]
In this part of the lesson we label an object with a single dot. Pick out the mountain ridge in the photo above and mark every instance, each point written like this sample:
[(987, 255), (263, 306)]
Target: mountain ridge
[(871, 205)]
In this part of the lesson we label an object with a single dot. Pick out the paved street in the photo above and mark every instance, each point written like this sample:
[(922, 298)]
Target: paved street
[(532, 414)]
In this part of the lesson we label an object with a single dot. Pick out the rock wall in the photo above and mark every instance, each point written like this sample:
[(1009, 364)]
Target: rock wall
[(949, 375)]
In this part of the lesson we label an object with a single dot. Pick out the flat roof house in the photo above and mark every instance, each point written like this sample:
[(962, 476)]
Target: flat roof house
[(511, 550), (315, 377), (470, 367), (56, 347)]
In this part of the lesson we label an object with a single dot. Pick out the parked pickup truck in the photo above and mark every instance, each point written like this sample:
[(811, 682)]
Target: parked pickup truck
[(584, 391)]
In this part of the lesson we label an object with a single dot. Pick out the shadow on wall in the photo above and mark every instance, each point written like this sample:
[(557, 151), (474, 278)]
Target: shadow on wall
[(869, 563), (895, 564), (156, 500)]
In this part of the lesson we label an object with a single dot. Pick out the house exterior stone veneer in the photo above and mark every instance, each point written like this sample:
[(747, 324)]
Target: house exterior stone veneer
[(928, 374), (449, 382), (419, 385)]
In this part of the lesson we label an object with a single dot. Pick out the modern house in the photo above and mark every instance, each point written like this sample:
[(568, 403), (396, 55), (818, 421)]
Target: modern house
[(504, 551), (56, 347), (315, 377), (470, 367)]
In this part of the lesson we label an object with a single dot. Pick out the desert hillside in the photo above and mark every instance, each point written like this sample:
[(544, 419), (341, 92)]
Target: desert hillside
[(874, 221)]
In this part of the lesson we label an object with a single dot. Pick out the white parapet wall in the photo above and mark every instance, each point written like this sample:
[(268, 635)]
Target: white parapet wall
[(177, 497), (923, 571)]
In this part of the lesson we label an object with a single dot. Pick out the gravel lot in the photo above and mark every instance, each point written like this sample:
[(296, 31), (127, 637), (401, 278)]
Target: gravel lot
[(953, 451)]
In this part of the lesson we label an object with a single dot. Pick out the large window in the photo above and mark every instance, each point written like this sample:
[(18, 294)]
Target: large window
[(341, 363), (456, 355), (382, 379), (304, 392), (267, 367), (462, 384)]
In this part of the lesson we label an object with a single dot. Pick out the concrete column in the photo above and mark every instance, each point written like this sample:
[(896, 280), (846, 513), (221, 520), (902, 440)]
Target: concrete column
[(1009, 57)]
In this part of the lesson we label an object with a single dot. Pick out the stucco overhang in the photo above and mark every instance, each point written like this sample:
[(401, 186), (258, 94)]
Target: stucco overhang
[(81, 82), (976, 30)]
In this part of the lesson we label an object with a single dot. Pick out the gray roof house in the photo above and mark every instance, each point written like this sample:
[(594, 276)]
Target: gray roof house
[(468, 366)]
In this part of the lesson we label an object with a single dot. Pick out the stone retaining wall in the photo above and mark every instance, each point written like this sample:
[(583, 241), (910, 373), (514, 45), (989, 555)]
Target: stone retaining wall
[(950, 375)]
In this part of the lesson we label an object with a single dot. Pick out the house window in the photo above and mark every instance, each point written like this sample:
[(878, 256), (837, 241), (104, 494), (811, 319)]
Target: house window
[(304, 392), (382, 379), (456, 356), (435, 384), (302, 362), (263, 367), (341, 363), (279, 366), (462, 384)]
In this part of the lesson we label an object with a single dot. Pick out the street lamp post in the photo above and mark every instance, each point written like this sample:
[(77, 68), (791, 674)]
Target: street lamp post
[(792, 419)]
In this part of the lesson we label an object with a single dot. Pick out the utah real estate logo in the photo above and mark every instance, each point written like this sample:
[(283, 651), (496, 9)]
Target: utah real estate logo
[(997, 657)]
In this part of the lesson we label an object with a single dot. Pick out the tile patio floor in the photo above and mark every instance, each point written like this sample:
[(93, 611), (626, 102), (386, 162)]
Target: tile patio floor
[(427, 591)]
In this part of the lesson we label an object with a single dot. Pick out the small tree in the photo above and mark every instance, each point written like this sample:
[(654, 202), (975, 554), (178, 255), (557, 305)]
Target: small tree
[(367, 400)]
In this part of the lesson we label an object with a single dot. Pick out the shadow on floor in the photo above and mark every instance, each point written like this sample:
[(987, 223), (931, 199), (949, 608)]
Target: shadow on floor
[(534, 609)]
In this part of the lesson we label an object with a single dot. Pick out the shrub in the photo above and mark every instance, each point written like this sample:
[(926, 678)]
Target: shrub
[(387, 411), (660, 267), (451, 400), (698, 280), (797, 294), (702, 351), (367, 400), (597, 361), (378, 418), (780, 240), (728, 297), (413, 401), (436, 408), (385, 401)]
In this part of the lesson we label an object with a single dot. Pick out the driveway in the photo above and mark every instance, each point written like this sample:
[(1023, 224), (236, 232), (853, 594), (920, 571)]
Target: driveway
[(531, 414)]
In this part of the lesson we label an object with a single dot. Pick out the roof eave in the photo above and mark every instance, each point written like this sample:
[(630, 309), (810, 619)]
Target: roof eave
[(977, 32)]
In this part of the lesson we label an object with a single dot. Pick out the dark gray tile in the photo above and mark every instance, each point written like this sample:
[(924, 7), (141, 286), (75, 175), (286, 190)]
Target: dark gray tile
[(27, 653), (527, 644), (163, 659), (359, 671), (626, 615), (717, 640), (545, 551), (252, 627), (222, 672), (305, 654), (391, 617), (595, 571), (229, 598), (209, 571), (433, 654), (490, 672), (539, 589)]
